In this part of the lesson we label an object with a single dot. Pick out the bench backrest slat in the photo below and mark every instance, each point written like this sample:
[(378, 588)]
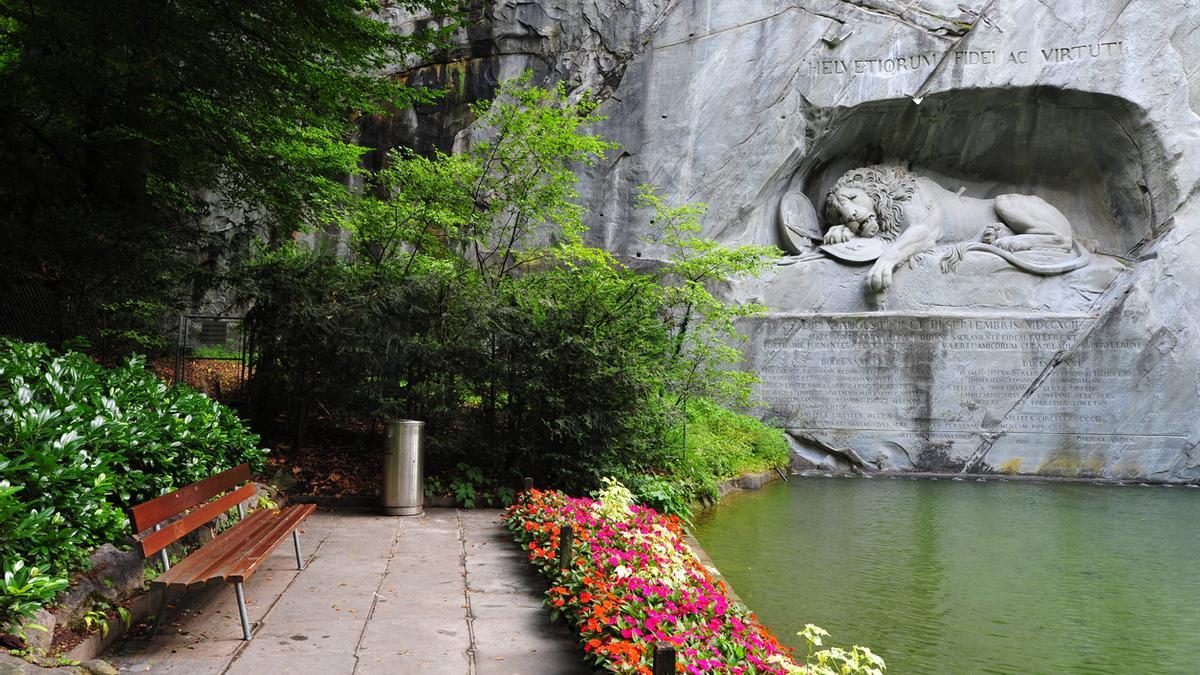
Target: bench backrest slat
[(147, 515), (156, 541)]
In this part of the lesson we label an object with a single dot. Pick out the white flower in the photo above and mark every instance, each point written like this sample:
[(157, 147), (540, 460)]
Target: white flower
[(614, 501)]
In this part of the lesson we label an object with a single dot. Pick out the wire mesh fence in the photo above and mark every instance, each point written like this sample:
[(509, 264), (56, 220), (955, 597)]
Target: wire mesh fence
[(218, 341)]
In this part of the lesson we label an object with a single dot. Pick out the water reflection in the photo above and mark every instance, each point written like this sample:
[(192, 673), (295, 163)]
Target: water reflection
[(995, 577)]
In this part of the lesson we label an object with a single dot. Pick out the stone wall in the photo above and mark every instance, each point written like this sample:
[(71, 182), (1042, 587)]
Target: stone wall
[(1090, 106)]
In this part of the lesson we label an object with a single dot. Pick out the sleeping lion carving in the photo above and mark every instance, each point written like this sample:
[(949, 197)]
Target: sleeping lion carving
[(913, 214)]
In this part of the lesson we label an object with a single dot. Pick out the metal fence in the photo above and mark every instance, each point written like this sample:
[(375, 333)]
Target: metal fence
[(214, 338)]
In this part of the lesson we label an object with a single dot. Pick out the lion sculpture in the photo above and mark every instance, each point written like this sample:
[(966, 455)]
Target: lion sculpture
[(913, 214)]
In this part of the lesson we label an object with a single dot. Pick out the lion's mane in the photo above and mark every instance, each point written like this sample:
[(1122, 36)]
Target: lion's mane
[(888, 187)]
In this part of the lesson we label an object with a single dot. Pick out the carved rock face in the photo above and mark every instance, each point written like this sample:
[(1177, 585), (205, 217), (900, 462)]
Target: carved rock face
[(1089, 106)]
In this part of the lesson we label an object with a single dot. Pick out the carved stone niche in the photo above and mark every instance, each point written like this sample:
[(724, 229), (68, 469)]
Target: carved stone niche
[(1088, 158), (967, 362)]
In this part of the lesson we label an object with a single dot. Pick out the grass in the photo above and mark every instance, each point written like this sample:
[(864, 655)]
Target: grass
[(721, 444)]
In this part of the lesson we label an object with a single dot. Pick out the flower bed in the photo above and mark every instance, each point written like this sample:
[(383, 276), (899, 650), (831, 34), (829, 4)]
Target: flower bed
[(634, 582)]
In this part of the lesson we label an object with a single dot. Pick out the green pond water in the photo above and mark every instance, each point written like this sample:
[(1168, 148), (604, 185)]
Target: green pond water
[(972, 577)]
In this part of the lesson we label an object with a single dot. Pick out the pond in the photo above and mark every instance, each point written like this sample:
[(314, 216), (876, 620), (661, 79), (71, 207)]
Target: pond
[(941, 576)]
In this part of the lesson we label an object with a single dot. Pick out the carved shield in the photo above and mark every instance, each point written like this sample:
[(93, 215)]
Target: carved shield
[(798, 223), (856, 250)]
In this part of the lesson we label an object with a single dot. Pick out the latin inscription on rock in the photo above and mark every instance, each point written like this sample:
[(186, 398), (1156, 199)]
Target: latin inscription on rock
[(947, 382), (967, 58)]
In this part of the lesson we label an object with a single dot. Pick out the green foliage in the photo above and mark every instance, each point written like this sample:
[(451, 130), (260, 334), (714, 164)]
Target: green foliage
[(132, 326), (215, 352), (429, 320), (97, 618), (614, 501), (397, 329), (82, 442), (24, 591), (702, 325), (126, 617), (470, 487), (144, 141), (857, 660), (354, 338), (463, 485), (577, 360), (722, 444), (483, 212), (473, 303), (666, 493), (9, 52)]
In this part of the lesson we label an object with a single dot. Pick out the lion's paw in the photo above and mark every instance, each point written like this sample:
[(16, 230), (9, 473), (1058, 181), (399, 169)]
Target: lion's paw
[(838, 234), (879, 279), (1010, 244)]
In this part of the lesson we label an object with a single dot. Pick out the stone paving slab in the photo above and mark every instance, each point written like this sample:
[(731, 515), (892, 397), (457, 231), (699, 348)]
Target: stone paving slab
[(447, 592)]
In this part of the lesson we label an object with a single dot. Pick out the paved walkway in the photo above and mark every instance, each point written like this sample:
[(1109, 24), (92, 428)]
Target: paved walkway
[(447, 592)]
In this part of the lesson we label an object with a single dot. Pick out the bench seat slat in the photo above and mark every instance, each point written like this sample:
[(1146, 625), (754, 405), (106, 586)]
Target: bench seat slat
[(219, 559), (275, 526), (156, 541), (230, 543), (218, 568), (148, 514), (257, 555)]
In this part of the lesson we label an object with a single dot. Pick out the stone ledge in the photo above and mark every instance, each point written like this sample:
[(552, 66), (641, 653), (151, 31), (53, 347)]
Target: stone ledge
[(750, 481)]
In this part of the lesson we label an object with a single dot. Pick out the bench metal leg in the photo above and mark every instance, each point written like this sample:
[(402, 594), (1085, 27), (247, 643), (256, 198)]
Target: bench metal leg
[(241, 600), (158, 615), (162, 555), (296, 543)]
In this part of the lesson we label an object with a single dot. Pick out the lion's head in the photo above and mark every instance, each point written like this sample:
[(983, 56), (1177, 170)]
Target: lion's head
[(868, 201)]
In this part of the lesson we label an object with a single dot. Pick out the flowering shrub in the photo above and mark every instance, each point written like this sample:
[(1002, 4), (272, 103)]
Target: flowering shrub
[(633, 581)]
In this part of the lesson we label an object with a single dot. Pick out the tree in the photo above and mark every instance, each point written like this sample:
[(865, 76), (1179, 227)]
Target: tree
[(703, 354), (412, 323), (140, 138), (495, 206)]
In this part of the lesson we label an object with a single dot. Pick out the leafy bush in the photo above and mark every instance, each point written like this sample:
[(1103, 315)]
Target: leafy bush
[(469, 487), (723, 444), (25, 590), (578, 362), (83, 442), (720, 444)]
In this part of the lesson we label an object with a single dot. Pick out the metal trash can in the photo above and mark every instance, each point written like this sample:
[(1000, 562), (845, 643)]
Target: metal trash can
[(404, 469)]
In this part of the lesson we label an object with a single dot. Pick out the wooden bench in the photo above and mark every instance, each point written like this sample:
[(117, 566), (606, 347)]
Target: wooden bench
[(232, 556)]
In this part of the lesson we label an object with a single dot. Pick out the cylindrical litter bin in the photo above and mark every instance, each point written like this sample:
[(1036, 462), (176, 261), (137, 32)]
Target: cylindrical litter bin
[(404, 469)]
